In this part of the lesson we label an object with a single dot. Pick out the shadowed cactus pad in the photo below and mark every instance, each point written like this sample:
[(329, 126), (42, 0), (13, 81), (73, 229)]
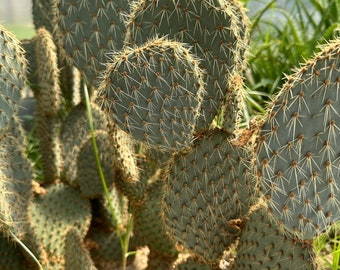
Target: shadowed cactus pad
[(154, 92), (209, 189), (11, 256), (88, 177), (76, 254), (75, 129), (299, 149), (53, 214), (263, 245), (148, 228)]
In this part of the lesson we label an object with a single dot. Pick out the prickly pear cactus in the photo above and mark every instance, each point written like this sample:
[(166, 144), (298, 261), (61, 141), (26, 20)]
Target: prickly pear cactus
[(154, 93), (11, 257), (13, 75), (76, 254), (217, 34), (89, 30), (15, 172), (74, 130), (88, 177), (51, 215), (166, 91), (48, 103), (263, 245), (209, 189), (150, 231), (298, 149)]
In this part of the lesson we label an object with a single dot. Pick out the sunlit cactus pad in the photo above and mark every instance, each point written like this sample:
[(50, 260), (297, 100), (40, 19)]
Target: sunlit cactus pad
[(154, 92), (216, 30), (89, 30), (12, 75), (299, 150)]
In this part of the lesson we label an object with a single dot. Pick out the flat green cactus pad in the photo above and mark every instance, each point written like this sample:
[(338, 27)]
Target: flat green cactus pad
[(88, 177), (154, 93), (216, 30), (299, 150), (15, 181), (76, 254), (74, 130), (12, 75), (89, 30), (209, 189), (147, 225), (263, 245), (51, 216)]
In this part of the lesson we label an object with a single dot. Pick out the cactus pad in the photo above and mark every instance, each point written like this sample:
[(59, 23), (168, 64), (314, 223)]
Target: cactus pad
[(209, 189), (74, 130), (216, 30), (53, 214), (88, 177), (154, 93), (12, 75), (89, 30), (263, 245), (298, 149)]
